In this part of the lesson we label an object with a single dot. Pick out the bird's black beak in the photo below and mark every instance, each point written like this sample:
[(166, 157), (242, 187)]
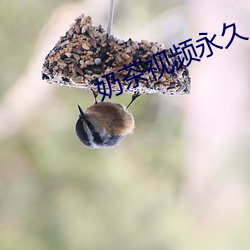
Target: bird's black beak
[(82, 114)]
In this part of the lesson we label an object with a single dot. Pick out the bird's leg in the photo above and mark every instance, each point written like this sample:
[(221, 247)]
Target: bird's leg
[(134, 97), (95, 94)]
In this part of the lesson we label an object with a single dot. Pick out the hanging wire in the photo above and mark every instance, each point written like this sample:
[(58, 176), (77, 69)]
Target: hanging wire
[(110, 15)]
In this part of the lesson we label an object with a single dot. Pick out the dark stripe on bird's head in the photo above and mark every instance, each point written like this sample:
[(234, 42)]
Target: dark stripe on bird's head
[(96, 135), (97, 138), (81, 133)]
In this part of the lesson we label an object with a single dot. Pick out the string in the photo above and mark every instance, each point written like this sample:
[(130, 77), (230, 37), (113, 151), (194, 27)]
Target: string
[(110, 15)]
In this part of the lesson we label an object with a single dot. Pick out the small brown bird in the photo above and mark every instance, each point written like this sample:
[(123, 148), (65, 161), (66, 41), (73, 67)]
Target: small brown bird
[(104, 124)]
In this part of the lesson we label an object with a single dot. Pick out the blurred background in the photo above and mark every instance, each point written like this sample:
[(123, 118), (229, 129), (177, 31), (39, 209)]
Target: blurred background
[(180, 182)]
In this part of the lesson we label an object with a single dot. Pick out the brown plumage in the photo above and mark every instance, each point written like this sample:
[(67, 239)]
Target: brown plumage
[(112, 118)]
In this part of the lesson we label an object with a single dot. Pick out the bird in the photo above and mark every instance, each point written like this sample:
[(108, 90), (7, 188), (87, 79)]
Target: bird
[(104, 124)]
